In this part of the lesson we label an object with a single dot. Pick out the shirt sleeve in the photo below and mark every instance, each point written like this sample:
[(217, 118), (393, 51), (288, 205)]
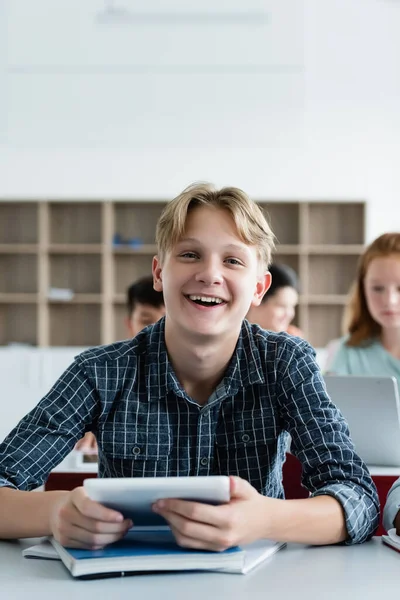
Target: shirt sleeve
[(321, 441), (49, 432), (392, 505)]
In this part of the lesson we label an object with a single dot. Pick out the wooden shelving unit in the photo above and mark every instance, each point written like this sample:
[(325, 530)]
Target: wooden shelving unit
[(65, 266)]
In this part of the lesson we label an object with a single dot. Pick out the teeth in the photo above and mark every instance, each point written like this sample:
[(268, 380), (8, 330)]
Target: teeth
[(207, 299)]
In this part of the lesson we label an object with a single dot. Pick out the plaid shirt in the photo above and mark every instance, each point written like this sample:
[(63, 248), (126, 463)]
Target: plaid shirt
[(146, 425)]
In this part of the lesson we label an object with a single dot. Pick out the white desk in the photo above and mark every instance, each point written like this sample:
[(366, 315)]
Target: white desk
[(368, 572)]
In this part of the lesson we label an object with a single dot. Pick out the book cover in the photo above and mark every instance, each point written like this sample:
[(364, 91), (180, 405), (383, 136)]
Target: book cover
[(152, 550)]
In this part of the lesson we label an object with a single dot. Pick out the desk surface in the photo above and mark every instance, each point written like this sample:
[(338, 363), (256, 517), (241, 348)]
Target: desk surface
[(369, 571)]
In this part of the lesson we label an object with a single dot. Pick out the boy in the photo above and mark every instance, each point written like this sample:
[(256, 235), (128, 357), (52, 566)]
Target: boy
[(144, 306), (200, 392)]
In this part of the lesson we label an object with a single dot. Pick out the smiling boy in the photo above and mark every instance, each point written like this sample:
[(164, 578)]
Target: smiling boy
[(201, 392)]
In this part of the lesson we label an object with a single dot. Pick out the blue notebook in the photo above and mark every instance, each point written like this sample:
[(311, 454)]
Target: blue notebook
[(149, 549)]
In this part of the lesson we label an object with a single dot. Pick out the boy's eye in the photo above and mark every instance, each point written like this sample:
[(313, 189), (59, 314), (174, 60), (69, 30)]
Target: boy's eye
[(233, 261), (377, 288), (188, 255)]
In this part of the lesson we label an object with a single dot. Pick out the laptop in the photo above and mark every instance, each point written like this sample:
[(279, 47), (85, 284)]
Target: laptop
[(372, 409)]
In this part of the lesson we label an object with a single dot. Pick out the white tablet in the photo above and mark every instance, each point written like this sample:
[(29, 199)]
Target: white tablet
[(134, 497)]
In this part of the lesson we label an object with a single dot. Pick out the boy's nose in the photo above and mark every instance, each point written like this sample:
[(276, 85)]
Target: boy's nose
[(209, 273)]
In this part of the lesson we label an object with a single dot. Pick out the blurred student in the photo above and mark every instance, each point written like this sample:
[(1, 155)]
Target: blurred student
[(145, 306), (372, 344), (278, 306)]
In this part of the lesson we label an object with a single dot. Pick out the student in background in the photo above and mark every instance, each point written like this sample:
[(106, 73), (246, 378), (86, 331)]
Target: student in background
[(372, 346), (145, 306), (278, 306), (391, 512), (200, 392)]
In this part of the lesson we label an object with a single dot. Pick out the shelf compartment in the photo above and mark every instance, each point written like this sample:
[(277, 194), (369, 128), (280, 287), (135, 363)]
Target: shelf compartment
[(144, 249), (18, 298), (127, 270), (18, 222), (19, 273), (356, 249), (18, 324), (336, 223), (79, 272), (325, 324), (75, 249), (331, 274), (74, 324), (137, 220), (75, 223), (78, 299), (284, 221), (291, 260), (19, 249)]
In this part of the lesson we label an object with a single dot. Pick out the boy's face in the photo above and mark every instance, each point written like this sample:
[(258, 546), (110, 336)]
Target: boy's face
[(143, 315), (211, 277)]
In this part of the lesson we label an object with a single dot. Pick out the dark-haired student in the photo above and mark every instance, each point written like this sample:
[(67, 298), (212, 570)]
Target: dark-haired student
[(144, 306), (200, 392), (278, 305)]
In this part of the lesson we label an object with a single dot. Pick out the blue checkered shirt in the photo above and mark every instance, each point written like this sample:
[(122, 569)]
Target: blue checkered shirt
[(146, 425)]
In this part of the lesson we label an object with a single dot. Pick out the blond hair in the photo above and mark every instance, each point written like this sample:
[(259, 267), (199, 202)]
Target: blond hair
[(251, 224), (359, 322)]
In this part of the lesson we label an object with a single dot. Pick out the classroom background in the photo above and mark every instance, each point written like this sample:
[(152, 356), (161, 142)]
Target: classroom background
[(109, 109)]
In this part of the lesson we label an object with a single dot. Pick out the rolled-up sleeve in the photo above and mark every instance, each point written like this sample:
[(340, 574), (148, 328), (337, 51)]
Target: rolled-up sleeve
[(321, 441), (392, 506), (49, 432)]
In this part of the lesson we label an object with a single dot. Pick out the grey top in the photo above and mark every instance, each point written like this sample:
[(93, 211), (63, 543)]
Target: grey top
[(369, 359), (367, 571)]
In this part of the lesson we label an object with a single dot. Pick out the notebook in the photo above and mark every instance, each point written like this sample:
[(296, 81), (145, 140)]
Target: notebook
[(152, 550), (372, 409)]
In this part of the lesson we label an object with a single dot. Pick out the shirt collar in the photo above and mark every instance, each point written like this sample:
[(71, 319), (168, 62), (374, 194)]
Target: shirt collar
[(244, 368)]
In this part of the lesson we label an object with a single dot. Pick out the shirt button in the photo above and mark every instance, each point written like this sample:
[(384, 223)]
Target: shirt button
[(245, 438), (136, 450), (204, 461)]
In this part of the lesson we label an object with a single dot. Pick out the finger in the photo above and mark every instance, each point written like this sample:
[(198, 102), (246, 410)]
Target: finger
[(206, 538), (240, 488), (193, 511), (92, 509), (76, 537)]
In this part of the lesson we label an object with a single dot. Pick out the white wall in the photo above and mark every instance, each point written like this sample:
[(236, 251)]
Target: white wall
[(317, 118)]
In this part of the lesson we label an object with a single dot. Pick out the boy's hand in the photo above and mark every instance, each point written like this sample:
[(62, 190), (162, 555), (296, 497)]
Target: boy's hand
[(203, 526), (79, 522)]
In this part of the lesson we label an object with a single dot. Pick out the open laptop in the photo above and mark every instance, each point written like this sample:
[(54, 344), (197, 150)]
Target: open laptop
[(372, 409)]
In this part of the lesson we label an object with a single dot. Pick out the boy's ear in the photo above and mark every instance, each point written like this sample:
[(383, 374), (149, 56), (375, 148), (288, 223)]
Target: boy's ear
[(157, 277), (262, 286)]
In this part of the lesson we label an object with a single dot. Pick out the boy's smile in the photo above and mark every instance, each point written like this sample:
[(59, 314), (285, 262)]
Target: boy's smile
[(211, 277)]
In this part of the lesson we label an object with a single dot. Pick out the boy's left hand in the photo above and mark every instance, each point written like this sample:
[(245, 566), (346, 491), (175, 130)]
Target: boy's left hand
[(203, 526)]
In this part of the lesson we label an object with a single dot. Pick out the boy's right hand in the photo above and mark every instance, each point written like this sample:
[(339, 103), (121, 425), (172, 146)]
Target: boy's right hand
[(76, 521)]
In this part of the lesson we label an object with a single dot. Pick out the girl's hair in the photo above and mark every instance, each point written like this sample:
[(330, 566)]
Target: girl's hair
[(251, 224), (358, 320), (282, 276)]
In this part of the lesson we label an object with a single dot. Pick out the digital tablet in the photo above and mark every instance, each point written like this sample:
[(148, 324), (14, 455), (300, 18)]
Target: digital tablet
[(134, 497)]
